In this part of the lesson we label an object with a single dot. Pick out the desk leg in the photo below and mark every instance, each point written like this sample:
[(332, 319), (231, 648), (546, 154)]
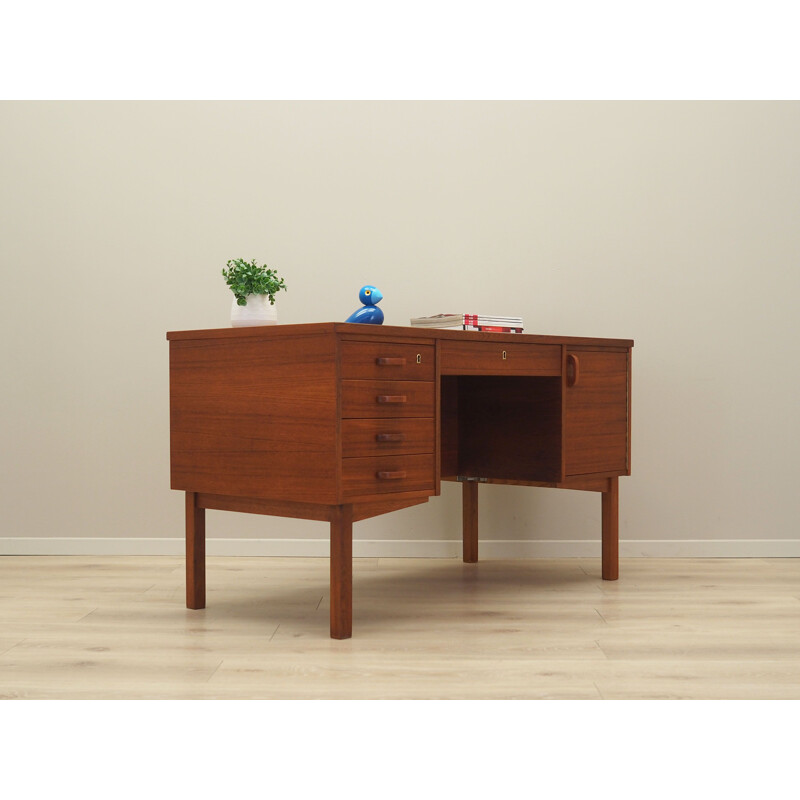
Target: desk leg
[(611, 531), (342, 572), (195, 553), (469, 520)]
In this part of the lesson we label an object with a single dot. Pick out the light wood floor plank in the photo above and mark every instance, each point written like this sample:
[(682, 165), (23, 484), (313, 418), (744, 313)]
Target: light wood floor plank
[(81, 627)]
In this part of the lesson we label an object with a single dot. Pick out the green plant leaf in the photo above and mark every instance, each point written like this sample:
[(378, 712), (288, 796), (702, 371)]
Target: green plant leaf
[(248, 277)]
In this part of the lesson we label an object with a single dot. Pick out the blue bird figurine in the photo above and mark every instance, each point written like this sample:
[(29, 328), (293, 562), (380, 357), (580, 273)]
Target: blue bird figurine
[(369, 313)]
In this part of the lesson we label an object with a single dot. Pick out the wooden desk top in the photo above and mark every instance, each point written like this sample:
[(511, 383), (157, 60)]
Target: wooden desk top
[(391, 332)]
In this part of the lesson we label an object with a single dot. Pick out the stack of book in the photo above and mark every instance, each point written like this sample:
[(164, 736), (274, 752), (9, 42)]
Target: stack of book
[(470, 322)]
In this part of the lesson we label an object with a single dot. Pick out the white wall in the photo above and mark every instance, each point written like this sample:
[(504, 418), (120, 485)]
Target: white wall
[(675, 224)]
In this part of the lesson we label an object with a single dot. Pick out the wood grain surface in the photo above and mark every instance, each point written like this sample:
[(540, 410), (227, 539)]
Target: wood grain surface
[(596, 415), (255, 420), (387, 360), (499, 358), (116, 628), (368, 437)]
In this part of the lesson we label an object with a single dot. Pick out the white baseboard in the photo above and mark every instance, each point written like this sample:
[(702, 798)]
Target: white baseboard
[(406, 548)]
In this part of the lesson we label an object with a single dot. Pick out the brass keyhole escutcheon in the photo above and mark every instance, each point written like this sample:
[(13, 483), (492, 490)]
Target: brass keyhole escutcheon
[(505, 355), (419, 358)]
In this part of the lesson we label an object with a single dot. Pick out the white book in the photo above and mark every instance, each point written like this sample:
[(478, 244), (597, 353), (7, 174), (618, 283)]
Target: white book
[(458, 320), (439, 321)]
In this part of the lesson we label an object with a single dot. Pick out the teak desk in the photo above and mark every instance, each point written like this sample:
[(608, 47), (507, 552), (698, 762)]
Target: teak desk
[(340, 422)]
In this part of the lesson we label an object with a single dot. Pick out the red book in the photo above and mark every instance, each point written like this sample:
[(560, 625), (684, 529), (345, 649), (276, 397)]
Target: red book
[(471, 322), (492, 328)]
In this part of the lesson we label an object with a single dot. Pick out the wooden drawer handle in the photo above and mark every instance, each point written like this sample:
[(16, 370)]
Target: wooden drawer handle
[(390, 362), (392, 398), (390, 437), (385, 475), (573, 369)]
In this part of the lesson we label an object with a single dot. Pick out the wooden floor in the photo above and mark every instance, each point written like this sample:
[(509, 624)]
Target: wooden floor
[(102, 627)]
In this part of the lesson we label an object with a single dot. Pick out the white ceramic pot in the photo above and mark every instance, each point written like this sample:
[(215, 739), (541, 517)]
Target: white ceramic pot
[(258, 311)]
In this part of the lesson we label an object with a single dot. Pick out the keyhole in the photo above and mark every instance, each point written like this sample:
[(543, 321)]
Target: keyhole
[(419, 358), (505, 355)]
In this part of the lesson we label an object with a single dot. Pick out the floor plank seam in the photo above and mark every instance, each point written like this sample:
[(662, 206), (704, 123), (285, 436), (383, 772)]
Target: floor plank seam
[(603, 651), (215, 671), (600, 648), (6, 652)]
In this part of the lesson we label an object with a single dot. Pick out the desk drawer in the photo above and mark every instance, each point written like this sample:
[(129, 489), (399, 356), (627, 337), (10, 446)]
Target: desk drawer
[(500, 358), (387, 474), (372, 437), (369, 399), (392, 361)]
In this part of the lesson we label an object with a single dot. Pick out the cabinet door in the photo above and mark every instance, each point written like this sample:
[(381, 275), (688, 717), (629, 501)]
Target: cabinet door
[(596, 412)]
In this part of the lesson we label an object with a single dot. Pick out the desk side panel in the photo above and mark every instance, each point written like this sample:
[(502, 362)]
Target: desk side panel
[(254, 417)]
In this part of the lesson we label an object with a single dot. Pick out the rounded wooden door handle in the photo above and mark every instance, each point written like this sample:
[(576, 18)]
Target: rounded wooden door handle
[(390, 437), (574, 363), (392, 398), (387, 475)]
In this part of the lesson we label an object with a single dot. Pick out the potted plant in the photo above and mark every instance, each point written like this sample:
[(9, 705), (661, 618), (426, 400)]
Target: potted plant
[(254, 288)]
